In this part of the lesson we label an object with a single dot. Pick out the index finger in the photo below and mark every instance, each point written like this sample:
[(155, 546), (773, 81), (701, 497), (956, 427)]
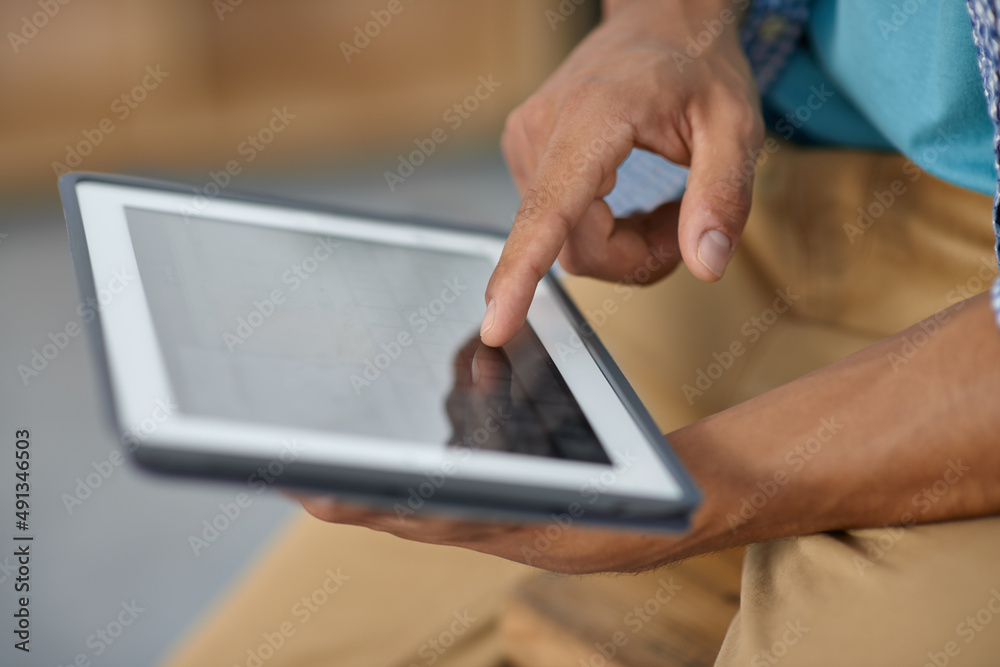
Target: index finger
[(580, 157)]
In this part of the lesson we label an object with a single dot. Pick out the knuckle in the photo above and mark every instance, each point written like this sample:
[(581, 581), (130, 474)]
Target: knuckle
[(507, 139), (542, 198), (729, 200), (563, 224), (514, 154), (514, 126), (534, 117), (749, 124), (511, 154), (742, 115), (537, 199), (583, 91), (526, 271)]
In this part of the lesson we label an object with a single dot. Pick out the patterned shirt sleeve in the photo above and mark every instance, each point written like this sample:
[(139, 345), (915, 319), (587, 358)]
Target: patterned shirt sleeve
[(986, 37), (995, 300), (770, 31)]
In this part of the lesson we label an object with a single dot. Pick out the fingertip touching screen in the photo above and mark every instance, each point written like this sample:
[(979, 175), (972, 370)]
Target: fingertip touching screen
[(333, 333)]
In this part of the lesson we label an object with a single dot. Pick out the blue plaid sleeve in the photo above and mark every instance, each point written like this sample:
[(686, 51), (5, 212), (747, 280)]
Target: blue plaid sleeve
[(995, 300), (769, 33), (986, 37)]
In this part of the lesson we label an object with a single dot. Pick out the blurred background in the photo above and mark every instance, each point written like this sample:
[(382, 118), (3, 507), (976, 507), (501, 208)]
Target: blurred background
[(317, 100), (180, 89), (360, 92)]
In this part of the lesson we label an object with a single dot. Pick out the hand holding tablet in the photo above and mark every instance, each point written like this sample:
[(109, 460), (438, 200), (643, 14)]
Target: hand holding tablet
[(270, 323)]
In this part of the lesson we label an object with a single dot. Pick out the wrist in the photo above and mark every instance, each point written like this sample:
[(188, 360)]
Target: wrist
[(751, 490), (729, 12), (720, 475), (704, 33)]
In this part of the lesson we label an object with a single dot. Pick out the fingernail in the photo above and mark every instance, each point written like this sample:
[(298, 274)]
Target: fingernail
[(491, 313), (475, 370), (714, 250)]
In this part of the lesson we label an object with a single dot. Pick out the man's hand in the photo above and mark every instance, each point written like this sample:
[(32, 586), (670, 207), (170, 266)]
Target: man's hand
[(630, 84), (575, 549), (888, 441)]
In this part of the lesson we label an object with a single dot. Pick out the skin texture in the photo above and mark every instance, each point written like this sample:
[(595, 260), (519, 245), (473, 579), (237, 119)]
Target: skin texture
[(623, 88), (890, 442), (860, 443)]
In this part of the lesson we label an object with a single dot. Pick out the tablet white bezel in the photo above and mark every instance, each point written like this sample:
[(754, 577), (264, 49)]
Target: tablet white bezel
[(140, 382)]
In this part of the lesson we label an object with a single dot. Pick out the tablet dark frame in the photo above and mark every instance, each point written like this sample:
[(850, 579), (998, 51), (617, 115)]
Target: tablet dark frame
[(467, 498)]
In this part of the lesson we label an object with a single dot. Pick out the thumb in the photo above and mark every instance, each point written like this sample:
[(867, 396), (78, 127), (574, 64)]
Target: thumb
[(716, 204)]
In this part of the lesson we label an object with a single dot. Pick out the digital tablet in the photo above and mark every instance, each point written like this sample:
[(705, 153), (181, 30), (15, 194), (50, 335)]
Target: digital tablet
[(271, 342)]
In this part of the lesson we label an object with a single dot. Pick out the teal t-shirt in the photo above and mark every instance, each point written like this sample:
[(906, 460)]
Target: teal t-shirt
[(891, 75)]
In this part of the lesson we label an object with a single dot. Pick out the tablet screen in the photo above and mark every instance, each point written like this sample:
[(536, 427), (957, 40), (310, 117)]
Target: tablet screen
[(333, 333)]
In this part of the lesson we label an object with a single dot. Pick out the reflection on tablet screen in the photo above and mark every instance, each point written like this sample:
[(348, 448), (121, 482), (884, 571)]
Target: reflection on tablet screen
[(354, 336)]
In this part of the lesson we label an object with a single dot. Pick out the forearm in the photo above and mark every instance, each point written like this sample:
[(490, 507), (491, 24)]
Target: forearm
[(707, 8), (906, 431)]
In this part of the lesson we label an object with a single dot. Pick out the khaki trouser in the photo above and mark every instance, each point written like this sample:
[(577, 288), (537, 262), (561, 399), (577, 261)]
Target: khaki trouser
[(842, 248)]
